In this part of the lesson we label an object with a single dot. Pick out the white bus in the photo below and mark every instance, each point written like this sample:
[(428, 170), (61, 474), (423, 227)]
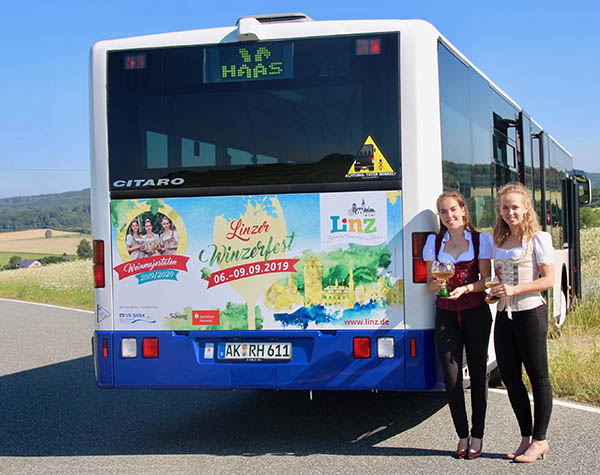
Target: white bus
[(261, 194)]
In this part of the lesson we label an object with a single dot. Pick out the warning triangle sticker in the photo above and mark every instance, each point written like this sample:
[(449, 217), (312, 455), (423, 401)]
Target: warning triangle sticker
[(370, 162)]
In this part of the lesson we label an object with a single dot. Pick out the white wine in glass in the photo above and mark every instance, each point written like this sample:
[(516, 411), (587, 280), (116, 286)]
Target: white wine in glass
[(491, 282), (442, 270)]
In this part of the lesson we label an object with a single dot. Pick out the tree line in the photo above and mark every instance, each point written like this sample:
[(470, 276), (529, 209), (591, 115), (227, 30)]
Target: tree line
[(68, 211)]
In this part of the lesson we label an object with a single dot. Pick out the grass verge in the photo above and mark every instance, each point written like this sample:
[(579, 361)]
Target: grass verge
[(75, 298), (68, 284), (574, 358)]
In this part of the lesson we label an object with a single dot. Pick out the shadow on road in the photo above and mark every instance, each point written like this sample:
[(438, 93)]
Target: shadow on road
[(57, 410)]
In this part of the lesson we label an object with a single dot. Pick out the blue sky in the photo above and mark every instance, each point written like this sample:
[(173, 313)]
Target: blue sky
[(544, 54)]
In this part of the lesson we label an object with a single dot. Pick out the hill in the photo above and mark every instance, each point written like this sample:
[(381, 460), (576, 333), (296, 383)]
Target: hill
[(69, 211), (595, 179)]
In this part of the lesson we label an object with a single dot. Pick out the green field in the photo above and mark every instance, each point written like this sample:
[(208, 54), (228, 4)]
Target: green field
[(6, 255)]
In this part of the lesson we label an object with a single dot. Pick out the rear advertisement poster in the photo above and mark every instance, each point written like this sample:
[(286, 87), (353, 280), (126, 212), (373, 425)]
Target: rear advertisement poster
[(286, 262)]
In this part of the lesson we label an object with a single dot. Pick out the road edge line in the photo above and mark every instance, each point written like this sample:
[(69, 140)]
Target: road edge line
[(46, 305), (558, 402)]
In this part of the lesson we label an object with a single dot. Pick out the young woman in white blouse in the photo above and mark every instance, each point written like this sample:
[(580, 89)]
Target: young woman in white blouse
[(134, 240), (462, 319), (168, 239), (150, 240), (524, 263)]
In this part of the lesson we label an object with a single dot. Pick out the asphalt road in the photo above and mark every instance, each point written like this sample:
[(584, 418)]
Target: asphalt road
[(53, 419)]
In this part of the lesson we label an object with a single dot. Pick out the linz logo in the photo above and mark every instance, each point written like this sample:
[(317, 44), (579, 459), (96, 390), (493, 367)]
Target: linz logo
[(141, 182), (360, 219), (205, 317)]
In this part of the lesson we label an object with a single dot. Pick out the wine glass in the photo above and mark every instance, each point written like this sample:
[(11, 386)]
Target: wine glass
[(491, 282), (442, 270)]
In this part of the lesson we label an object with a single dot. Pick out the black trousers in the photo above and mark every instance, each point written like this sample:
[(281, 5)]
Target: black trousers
[(522, 341), (473, 334)]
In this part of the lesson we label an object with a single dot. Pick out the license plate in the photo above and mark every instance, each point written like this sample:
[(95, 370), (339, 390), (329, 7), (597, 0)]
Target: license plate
[(257, 351)]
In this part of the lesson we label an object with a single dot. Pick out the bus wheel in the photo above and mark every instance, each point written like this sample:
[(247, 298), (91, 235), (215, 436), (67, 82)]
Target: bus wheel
[(495, 378), (562, 311), (557, 321), (465, 370)]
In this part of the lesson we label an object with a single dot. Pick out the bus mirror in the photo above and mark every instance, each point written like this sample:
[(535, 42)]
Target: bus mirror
[(584, 189), (585, 192)]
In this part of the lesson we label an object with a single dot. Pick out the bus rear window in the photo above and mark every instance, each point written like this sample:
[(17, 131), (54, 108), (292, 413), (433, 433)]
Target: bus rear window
[(289, 113)]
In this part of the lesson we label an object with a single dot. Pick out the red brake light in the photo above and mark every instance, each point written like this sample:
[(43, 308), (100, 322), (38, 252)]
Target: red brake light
[(368, 46), (98, 263), (419, 265), (374, 46), (135, 61), (150, 347), (362, 347), (413, 348), (105, 347), (419, 271)]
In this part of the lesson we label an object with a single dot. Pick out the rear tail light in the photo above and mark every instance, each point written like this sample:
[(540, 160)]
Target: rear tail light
[(419, 265), (419, 271), (150, 347), (98, 264), (413, 347), (105, 347), (362, 347)]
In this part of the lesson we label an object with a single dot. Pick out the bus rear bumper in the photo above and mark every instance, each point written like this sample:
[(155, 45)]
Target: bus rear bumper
[(321, 360)]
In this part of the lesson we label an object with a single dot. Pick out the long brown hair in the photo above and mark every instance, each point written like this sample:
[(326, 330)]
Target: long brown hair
[(531, 222), (130, 230), (460, 199)]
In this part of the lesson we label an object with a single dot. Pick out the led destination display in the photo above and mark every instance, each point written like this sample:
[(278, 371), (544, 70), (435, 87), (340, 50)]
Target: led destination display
[(249, 62)]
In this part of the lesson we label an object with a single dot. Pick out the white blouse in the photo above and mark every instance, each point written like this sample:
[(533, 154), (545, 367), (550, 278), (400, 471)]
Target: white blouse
[(486, 248), (542, 249)]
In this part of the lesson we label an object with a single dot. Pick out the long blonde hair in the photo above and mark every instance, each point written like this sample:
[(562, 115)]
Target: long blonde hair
[(531, 222)]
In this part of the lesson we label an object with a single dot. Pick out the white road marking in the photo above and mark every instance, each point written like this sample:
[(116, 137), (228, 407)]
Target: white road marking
[(47, 305), (558, 402)]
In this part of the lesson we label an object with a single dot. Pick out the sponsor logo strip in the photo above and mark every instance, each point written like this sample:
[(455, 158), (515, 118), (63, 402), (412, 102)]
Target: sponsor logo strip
[(206, 317)]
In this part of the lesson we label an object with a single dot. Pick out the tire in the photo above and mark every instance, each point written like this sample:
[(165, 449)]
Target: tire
[(495, 378), (557, 321), (563, 308), (465, 371)]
